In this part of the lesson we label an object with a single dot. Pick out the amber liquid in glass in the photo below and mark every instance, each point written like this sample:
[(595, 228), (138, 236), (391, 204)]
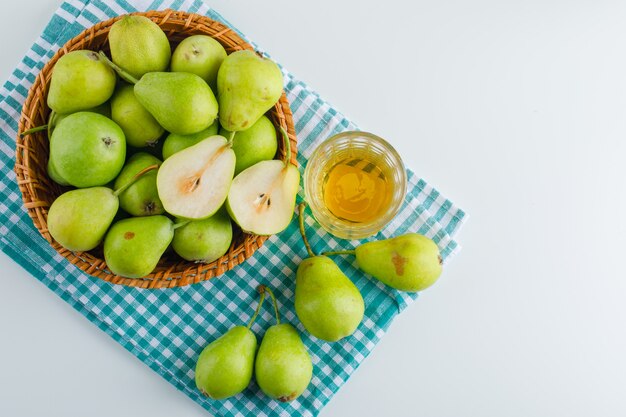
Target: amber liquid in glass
[(356, 189)]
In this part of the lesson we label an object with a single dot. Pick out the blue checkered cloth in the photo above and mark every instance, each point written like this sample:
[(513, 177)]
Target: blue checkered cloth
[(167, 329)]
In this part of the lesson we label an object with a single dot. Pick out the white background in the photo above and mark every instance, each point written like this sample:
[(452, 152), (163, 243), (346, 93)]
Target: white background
[(514, 109)]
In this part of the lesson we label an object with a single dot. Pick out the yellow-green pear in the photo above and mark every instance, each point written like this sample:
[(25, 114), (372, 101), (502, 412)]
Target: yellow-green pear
[(140, 127), (201, 55), (255, 144), (141, 198), (87, 149), (204, 240), (248, 85), (225, 366), (174, 143), (80, 81), (410, 262), (327, 303), (133, 247), (79, 219), (139, 46), (283, 367)]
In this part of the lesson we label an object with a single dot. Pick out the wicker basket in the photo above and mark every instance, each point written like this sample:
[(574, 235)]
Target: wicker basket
[(38, 191)]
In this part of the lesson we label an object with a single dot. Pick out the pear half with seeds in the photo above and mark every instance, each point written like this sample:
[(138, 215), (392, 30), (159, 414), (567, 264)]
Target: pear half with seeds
[(262, 197), (194, 183)]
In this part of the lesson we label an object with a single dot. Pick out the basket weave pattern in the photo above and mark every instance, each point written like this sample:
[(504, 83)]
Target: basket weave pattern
[(39, 191)]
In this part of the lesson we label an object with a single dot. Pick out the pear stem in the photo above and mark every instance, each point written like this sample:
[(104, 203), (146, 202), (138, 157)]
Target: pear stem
[(258, 308), (339, 252), (134, 179), (33, 130), (287, 143), (262, 289), (231, 138), (52, 121), (302, 231), (120, 71), (181, 224)]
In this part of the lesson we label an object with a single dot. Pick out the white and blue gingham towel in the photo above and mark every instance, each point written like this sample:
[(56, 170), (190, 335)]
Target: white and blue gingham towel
[(167, 329)]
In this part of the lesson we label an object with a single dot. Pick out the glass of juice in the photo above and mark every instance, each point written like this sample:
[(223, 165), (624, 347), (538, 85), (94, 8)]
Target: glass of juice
[(355, 184)]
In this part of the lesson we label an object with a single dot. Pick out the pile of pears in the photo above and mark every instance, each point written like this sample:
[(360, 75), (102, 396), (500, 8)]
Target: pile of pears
[(178, 140)]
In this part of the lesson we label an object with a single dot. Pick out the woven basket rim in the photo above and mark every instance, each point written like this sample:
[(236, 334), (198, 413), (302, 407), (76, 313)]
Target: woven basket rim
[(33, 181)]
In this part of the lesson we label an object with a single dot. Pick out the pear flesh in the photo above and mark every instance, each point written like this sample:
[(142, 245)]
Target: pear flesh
[(225, 366), (133, 247), (262, 198), (409, 262), (194, 183), (79, 219), (283, 367), (327, 303), (181, 102)]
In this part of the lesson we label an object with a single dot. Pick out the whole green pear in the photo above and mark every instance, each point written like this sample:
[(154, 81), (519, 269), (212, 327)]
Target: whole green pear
[(133, 247), (139, 46), (328, 304), (182, 103), (255, 144), (225, 366), (248, 85), (87, 149), (201, 55), (204, 240), (141, 198), (174, 143), (410, 262), (80, 81), (54, 174), (283, 367), (79, 219), (140, 127)]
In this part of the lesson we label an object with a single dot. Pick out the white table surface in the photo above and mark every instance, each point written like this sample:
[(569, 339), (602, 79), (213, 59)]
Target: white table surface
[(515, 110)]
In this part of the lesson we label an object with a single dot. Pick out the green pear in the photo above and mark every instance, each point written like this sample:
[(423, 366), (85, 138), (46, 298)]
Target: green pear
[(141, 198), (80, 81), (255, 144), (224, 368), (140, 128), (201, 55), (193, 183), (181, 102), (139, 46), (174, 143), (87, 149), (262, 197), (248, 86), (133, 247), (54, 174), (283, 367), (410, 262), (327, 303), (79, 219), (204, 240)]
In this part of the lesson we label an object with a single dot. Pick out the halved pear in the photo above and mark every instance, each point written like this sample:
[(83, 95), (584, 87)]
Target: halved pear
[(194, 183), (262, 198)]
